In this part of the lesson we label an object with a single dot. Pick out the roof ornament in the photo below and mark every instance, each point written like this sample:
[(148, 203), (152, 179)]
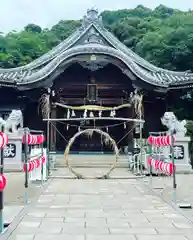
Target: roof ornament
[(92, 16)]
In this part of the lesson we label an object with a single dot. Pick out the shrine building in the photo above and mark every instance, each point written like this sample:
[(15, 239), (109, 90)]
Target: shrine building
[(89, 67)]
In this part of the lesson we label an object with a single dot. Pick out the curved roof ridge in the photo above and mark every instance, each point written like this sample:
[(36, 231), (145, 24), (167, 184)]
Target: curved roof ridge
[(97, 49)]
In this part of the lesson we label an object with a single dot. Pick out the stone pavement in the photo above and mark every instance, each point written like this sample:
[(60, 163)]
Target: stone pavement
[(101, 210)]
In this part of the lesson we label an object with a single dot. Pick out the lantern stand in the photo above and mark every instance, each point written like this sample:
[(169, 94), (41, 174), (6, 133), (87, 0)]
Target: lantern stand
[(170, 143), (42, 154), (26, 151), (174, 170), (1, 192)]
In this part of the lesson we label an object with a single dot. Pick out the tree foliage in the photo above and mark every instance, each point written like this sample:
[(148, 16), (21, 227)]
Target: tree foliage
[(163, 36)]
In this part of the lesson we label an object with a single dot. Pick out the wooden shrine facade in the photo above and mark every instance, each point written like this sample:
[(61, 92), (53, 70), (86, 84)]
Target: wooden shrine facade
[(91, 58)]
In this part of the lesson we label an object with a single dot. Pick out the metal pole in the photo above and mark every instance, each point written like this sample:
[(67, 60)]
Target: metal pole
[(141, 144), (48, 140), (1, 192), (26, 164), (173, 168), (150, 167), (42, 167)]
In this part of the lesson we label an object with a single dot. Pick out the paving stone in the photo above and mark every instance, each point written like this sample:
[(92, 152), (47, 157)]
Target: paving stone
[(58, 237), (30, 224), (94, 222), (133, 231), (87, 230), (53, 219), (46, 230), (173, 216), (110, 237), (183, 225), (45, 224), (150, 224), (167, 230), (161, 237), (21, 237), (37, 214), (74, 219)]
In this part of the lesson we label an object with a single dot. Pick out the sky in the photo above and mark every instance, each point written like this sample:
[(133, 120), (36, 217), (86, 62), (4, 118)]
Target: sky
[(15, 14)]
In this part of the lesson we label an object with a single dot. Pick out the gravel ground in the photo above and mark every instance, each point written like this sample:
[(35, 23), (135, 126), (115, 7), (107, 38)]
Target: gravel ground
[(184, 193), (14, 190)]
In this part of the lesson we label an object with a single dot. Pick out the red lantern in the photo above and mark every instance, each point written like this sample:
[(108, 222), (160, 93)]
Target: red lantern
[(3, 140), (38, 163), (149, 161), (38, 139), (27, 167), (24, 167), (2, 182), (153, 140), (43, 159), (29, 139), (32, 139)]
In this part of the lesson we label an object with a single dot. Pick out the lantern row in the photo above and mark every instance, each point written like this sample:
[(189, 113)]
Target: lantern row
[(33, 164), (34, 139), (161, 140), (31, 139), (165, 167)]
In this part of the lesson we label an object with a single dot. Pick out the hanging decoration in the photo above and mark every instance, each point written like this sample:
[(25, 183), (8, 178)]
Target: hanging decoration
[(113, 113), (91, 114), (85, 114), (100, 113), (93, 107), (73, 113), (99, 127), (68, 114), (107, 129)]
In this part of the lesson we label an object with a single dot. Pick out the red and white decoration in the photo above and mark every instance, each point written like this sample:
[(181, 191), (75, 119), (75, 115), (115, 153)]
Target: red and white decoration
[(33, 164), (34, 139), (161, 140), (3, 140), (2, 182), (164, 167)]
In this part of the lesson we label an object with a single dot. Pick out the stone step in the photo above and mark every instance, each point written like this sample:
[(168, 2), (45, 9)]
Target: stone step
[(91, 161)]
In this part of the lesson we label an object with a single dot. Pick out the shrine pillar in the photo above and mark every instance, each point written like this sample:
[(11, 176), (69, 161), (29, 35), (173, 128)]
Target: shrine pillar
[(53, 129)]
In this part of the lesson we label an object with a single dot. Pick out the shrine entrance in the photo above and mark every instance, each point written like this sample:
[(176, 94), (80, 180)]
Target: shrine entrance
[(106, 86)]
